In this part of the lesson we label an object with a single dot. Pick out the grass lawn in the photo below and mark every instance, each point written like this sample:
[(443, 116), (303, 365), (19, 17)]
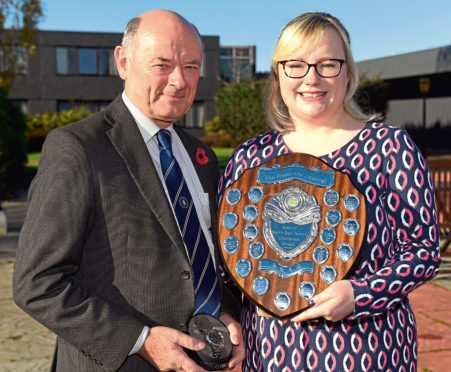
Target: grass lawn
[(33, 159), (223, 155)]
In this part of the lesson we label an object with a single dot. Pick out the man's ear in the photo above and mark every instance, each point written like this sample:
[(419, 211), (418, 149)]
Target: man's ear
[(120, 55)]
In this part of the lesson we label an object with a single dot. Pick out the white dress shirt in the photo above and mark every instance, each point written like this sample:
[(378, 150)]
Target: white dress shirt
[(148, 131)]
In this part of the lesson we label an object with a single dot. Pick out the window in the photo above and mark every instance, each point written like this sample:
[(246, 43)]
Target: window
[(195, 117), (107, 63), (237, 63), (22, 104), (65, 61), (203, 67), (17, 54), (85, 61)]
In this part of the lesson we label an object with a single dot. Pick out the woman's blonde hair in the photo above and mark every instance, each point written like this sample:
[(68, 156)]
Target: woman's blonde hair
[(303, 32)]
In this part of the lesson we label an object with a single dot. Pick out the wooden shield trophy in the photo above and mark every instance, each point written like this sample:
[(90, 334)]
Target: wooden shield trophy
[(288, 229)]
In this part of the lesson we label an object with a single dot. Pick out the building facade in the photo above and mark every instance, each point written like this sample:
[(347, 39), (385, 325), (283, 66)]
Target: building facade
[(237, 62), (78, 68), (403, 73)]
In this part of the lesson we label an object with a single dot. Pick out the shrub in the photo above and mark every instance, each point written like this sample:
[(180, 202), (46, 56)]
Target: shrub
[(41, 124), (12, 146), (241, 110), (215, 137), (372, 95)]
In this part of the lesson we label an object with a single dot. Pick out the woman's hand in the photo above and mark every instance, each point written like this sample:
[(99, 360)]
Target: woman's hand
[(334, 303), (236, 337)]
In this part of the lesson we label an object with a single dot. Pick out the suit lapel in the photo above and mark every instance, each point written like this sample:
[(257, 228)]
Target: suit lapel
[(126, 138)]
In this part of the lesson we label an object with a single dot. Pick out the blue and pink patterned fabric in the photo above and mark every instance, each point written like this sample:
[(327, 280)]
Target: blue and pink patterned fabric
[(402, 252)]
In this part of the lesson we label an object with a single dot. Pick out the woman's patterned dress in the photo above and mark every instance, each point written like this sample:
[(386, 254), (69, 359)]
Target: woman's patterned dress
[(401, 253)]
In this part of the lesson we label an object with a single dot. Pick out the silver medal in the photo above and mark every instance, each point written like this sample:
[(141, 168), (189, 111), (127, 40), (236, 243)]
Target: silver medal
[(352, 202), (250, 213), (243, 268), (260, 285), (351, 226), (231, 244), (331, 198), (333, 217), (233, 196), (320, 254), (328, 235), (307, 290), (250, 232), (255, 194), (328, 274), (345, 252), (230, 220), (256, 250), (282, 300)]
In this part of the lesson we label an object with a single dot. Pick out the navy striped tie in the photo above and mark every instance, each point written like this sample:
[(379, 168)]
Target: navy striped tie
[(207, 292)]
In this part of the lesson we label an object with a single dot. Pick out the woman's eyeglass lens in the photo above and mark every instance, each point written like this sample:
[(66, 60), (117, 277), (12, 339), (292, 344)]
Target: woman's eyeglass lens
[(327, 68)]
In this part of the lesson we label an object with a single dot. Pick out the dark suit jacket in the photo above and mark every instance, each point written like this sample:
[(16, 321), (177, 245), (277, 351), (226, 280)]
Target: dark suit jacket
[(100, 254)]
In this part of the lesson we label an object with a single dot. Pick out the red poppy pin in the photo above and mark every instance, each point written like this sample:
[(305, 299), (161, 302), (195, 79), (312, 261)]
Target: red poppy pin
[(201, 157)]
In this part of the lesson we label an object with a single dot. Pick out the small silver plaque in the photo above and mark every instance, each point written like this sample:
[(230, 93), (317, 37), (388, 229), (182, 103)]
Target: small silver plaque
[(256, 250), (282, 300), (351, 226), (331, 198), (231, 244), (230, 220), (352, 202), (333, 217), (328, 274), (345, 252), (250, 232), (255, 194), (328, 235), (233, 196), (243, 268), (307, 290), (260, 285), (320, 254), (250, 213)]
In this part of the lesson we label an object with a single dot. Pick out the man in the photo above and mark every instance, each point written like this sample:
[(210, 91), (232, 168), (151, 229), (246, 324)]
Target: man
[(103, 259)]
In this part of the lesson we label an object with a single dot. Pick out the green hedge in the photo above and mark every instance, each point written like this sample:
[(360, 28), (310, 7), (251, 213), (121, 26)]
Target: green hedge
[(41, 124)]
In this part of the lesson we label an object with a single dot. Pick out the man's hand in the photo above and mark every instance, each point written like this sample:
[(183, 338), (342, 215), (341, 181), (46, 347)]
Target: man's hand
[(237, 340), (334, 303), (163, 348)]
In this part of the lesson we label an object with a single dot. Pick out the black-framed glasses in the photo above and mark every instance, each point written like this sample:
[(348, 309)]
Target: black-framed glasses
[(326, 68)]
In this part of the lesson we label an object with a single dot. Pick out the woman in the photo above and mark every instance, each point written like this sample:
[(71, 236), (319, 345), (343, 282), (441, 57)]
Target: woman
[(366, 322)]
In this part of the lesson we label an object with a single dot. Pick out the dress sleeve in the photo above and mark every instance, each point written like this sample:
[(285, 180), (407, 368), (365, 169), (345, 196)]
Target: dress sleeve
[(413, 257)]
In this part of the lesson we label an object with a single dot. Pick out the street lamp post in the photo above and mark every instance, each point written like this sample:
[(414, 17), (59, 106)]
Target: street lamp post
[(424, 84)]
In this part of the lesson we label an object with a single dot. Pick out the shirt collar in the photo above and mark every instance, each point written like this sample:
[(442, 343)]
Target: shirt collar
[(147, 128)]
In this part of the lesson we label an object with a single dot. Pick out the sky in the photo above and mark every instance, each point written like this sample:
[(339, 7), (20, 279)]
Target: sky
[(378, 28)]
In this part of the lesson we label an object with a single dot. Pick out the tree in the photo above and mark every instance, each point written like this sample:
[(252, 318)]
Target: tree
[(17, 41), (241, 110), (372, 95), (12, 146)]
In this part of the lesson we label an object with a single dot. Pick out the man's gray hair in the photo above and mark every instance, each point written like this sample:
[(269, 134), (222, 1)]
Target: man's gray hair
[(130, 32)]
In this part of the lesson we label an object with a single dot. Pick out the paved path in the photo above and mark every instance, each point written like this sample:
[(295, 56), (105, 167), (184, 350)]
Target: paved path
[(27, 346)]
